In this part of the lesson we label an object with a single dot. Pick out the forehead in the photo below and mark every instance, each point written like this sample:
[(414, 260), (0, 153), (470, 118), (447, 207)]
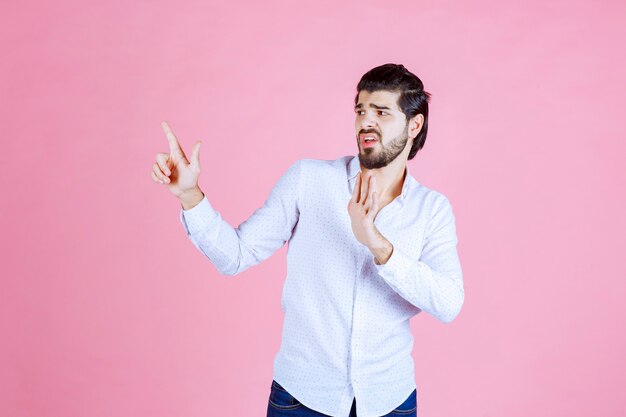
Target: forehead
[(379, 98)]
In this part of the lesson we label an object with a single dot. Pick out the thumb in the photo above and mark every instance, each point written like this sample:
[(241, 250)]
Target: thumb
[(195, 155)]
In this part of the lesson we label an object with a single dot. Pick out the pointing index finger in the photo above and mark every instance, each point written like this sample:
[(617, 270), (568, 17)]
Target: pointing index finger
[(174, 145)]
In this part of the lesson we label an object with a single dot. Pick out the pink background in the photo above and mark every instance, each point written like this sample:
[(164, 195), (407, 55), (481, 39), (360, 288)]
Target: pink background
[(106, 307)]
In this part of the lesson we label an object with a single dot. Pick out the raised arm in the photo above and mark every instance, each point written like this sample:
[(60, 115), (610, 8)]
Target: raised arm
[(233, 250)]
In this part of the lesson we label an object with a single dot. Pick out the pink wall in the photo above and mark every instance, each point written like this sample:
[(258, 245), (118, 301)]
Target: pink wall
[(106, 309)]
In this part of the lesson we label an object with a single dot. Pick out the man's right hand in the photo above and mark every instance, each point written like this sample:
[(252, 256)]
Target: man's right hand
[(177, 173)]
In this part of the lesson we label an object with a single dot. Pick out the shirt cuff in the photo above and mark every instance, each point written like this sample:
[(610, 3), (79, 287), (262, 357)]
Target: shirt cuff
[(198, 218), (396, 267)]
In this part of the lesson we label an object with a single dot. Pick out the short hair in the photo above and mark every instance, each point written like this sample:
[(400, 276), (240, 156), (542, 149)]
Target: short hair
[(413, 99)]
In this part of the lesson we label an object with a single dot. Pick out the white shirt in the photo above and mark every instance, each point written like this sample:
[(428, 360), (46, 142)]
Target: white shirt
[(346, 332)]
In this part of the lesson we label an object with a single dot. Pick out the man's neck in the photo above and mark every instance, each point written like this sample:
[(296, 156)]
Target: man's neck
[(389, 180)]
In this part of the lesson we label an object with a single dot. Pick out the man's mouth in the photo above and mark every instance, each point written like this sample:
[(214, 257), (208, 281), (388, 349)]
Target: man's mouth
[(368, 139)]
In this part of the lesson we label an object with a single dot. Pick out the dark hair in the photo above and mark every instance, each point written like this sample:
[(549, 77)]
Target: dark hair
[(413, 99)]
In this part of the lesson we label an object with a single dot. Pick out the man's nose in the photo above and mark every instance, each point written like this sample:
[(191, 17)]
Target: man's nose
[(367, 122)]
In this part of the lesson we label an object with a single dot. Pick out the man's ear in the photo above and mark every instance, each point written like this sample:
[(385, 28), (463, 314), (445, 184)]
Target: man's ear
[(415, 125)]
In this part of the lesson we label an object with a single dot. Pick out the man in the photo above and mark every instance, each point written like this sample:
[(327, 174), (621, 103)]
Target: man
[(369, 247)]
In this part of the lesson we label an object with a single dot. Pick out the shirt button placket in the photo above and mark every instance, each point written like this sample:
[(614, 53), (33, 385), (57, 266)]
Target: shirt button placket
[(357, 327)]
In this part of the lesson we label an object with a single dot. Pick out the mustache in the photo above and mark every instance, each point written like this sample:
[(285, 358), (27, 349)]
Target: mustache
[(369, 131)]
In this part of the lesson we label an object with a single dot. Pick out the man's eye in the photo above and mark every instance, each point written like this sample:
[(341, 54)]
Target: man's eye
[(382, 113)]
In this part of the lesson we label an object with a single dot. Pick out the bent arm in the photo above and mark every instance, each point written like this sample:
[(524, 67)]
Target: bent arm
[(434, 283), (233, 250)]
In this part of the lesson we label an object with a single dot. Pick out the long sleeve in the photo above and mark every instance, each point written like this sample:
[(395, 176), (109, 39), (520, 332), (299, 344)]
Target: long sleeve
[(434, 283), (233, 250)]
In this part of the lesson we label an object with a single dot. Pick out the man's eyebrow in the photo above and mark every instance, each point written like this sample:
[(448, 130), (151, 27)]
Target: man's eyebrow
[(360, 106)]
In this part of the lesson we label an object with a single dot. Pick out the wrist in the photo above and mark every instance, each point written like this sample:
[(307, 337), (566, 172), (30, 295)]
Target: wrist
[(191, 198), (382, 251)]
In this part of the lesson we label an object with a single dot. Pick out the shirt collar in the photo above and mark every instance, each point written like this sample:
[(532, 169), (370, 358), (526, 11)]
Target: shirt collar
[(354, 166)]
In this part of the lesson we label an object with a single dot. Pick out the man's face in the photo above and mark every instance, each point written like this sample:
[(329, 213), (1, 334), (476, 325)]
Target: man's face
[(379, 117)]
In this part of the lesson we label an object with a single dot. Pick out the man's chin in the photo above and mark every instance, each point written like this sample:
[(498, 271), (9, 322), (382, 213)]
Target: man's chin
[(371, 157), (367, 151), (368, 162)]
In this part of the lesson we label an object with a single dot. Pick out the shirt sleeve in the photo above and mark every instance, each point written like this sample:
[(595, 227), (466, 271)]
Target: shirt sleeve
[(434, 283), (233, 250)]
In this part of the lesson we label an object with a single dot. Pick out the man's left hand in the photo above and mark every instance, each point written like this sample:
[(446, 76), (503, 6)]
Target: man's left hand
[(363, 208)]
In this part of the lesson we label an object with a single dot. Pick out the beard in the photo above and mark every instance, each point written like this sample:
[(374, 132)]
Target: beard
[(373, 158)]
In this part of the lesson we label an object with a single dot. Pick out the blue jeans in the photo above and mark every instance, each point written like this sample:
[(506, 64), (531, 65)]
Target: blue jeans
[(283, 404)]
